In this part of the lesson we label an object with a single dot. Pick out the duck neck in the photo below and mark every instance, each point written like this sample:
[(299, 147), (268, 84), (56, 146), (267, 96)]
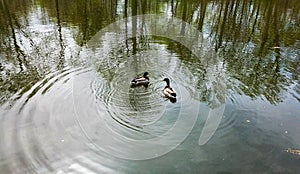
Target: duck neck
[(168, 84), (146, 77)]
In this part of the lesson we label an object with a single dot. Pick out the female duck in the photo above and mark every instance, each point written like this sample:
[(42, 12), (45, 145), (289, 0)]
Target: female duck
[(169, 92), (140, 81)]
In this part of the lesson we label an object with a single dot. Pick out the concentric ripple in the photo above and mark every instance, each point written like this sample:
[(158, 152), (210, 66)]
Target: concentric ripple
[(80, 111), (31, 132), (135, 108), (115, 116), (118, 117)]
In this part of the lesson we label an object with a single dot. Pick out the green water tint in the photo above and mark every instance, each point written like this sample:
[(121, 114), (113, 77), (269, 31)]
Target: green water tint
[(64, 101)]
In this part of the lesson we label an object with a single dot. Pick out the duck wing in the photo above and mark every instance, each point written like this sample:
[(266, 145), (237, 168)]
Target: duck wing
[(169, 92), (140, 80)]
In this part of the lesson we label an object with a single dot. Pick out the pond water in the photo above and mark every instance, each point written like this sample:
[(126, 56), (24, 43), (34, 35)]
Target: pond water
[(67, 105)]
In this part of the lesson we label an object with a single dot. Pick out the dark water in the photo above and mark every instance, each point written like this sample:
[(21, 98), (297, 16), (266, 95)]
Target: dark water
[(66, 104)]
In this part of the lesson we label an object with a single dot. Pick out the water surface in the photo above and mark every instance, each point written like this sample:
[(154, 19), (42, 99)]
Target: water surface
[(67, 106)]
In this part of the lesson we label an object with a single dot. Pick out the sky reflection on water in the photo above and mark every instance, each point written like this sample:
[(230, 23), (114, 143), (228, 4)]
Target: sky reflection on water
[(63, 102)]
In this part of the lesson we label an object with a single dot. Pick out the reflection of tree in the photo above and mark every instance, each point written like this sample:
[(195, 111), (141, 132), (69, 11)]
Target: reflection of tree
[(62, 47), (234, 25), (206, 82), (242, 29), (90, 15), (257, 77), (202, 14), (16, 79), (261, 74), (257, 39), (250, 37)]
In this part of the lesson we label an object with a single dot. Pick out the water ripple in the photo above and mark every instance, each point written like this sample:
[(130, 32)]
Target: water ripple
[(85, 110)]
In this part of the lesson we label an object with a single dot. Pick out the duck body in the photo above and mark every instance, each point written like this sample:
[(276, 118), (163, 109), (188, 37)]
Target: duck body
[(169, 92), (140, 81)]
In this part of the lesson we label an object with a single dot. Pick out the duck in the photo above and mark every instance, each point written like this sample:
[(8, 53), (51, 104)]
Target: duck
[(140, 81), (169, 92)]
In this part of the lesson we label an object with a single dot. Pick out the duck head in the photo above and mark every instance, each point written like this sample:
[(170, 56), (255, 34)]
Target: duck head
[(167, 80), (145, 74)]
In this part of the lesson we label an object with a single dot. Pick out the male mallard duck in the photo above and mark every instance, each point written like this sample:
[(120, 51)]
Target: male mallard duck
[(168, 91), (141, 81)]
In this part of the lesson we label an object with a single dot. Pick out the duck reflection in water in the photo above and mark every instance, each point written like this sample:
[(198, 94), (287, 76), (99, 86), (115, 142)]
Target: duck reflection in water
[(140, 81), (169, 92)]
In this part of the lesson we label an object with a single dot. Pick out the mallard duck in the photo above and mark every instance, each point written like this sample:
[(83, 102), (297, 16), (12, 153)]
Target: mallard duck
[(168, 91), (141, 81)]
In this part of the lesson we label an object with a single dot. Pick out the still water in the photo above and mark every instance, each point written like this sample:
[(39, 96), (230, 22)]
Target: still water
[(67, 105)]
